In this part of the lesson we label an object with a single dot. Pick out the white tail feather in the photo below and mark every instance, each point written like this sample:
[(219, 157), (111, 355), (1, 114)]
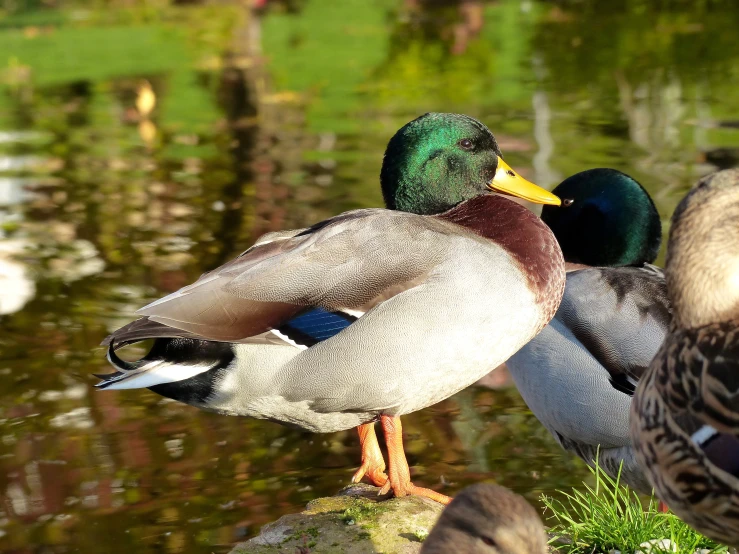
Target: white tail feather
[(156, 373)]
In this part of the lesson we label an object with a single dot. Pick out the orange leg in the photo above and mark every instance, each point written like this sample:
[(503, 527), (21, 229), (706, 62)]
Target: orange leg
[(373, 464), (662, 507), (399, 474)]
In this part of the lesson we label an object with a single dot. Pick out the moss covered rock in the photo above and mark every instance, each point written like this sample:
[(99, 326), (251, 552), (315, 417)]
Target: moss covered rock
[(356, 521)]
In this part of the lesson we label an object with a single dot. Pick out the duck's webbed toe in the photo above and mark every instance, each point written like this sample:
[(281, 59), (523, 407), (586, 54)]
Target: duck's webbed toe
[(373, 464), (399, 476)]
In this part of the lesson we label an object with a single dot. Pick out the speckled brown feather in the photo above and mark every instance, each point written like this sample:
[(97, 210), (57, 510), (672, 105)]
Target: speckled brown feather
[(707, 383), (685, 413), (683, 476)]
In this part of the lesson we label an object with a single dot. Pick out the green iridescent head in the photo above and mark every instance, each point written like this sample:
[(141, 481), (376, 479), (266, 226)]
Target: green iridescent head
[(440, 159), (611, 221)]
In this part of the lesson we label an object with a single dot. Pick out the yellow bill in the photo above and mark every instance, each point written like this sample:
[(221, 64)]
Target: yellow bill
[(509, 182)]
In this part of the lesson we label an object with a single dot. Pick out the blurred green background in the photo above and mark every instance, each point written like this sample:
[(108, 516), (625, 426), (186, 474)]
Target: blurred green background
[(143, 142)]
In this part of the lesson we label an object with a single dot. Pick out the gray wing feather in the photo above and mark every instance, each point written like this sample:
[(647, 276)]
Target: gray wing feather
[(620, 315), (276, 236), (343, 262), (570, 393), (142, 329)]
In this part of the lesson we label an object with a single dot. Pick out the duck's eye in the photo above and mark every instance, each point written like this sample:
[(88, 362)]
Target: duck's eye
[(488, 541), (466, 144)]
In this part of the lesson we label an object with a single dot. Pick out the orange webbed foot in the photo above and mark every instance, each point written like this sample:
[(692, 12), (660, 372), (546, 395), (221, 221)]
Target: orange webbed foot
[(373, 464), (399, 478), (407, 489), (375, 474)]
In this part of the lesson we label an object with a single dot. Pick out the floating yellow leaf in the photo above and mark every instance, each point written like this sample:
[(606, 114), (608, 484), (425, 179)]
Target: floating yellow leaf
[(147, 131), (146, 100)]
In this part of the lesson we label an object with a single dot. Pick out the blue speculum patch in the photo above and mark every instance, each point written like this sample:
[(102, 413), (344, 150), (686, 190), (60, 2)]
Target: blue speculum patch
[(316, 325)]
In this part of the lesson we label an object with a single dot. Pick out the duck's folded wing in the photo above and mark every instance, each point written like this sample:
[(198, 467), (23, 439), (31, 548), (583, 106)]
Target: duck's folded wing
[(620, 315), (142, 329), (702, 375), (698, 376), (568, 390), (341, 263)]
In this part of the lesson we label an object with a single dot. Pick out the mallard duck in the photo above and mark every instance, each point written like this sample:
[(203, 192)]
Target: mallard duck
[(371, 314), (685, 414), (487, 519), (578, 375)]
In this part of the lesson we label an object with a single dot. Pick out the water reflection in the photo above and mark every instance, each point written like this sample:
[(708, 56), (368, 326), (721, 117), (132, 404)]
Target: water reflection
[(256, 123)]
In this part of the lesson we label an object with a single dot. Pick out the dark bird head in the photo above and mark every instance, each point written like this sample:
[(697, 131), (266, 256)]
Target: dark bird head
[(607, 219), (487, 519)]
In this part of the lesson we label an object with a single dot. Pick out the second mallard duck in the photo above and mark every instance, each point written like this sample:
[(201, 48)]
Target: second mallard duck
[(578, 375), (416, 306)]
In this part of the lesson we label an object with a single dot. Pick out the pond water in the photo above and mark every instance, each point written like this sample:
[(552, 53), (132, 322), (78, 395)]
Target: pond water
[(141, 146)]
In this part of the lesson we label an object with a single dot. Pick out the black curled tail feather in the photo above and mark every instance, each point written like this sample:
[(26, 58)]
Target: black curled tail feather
[(183, 352), (119, 363), (122, 367)]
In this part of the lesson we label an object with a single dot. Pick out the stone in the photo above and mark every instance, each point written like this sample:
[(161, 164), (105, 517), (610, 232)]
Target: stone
[(356, 520), (657, 545)]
